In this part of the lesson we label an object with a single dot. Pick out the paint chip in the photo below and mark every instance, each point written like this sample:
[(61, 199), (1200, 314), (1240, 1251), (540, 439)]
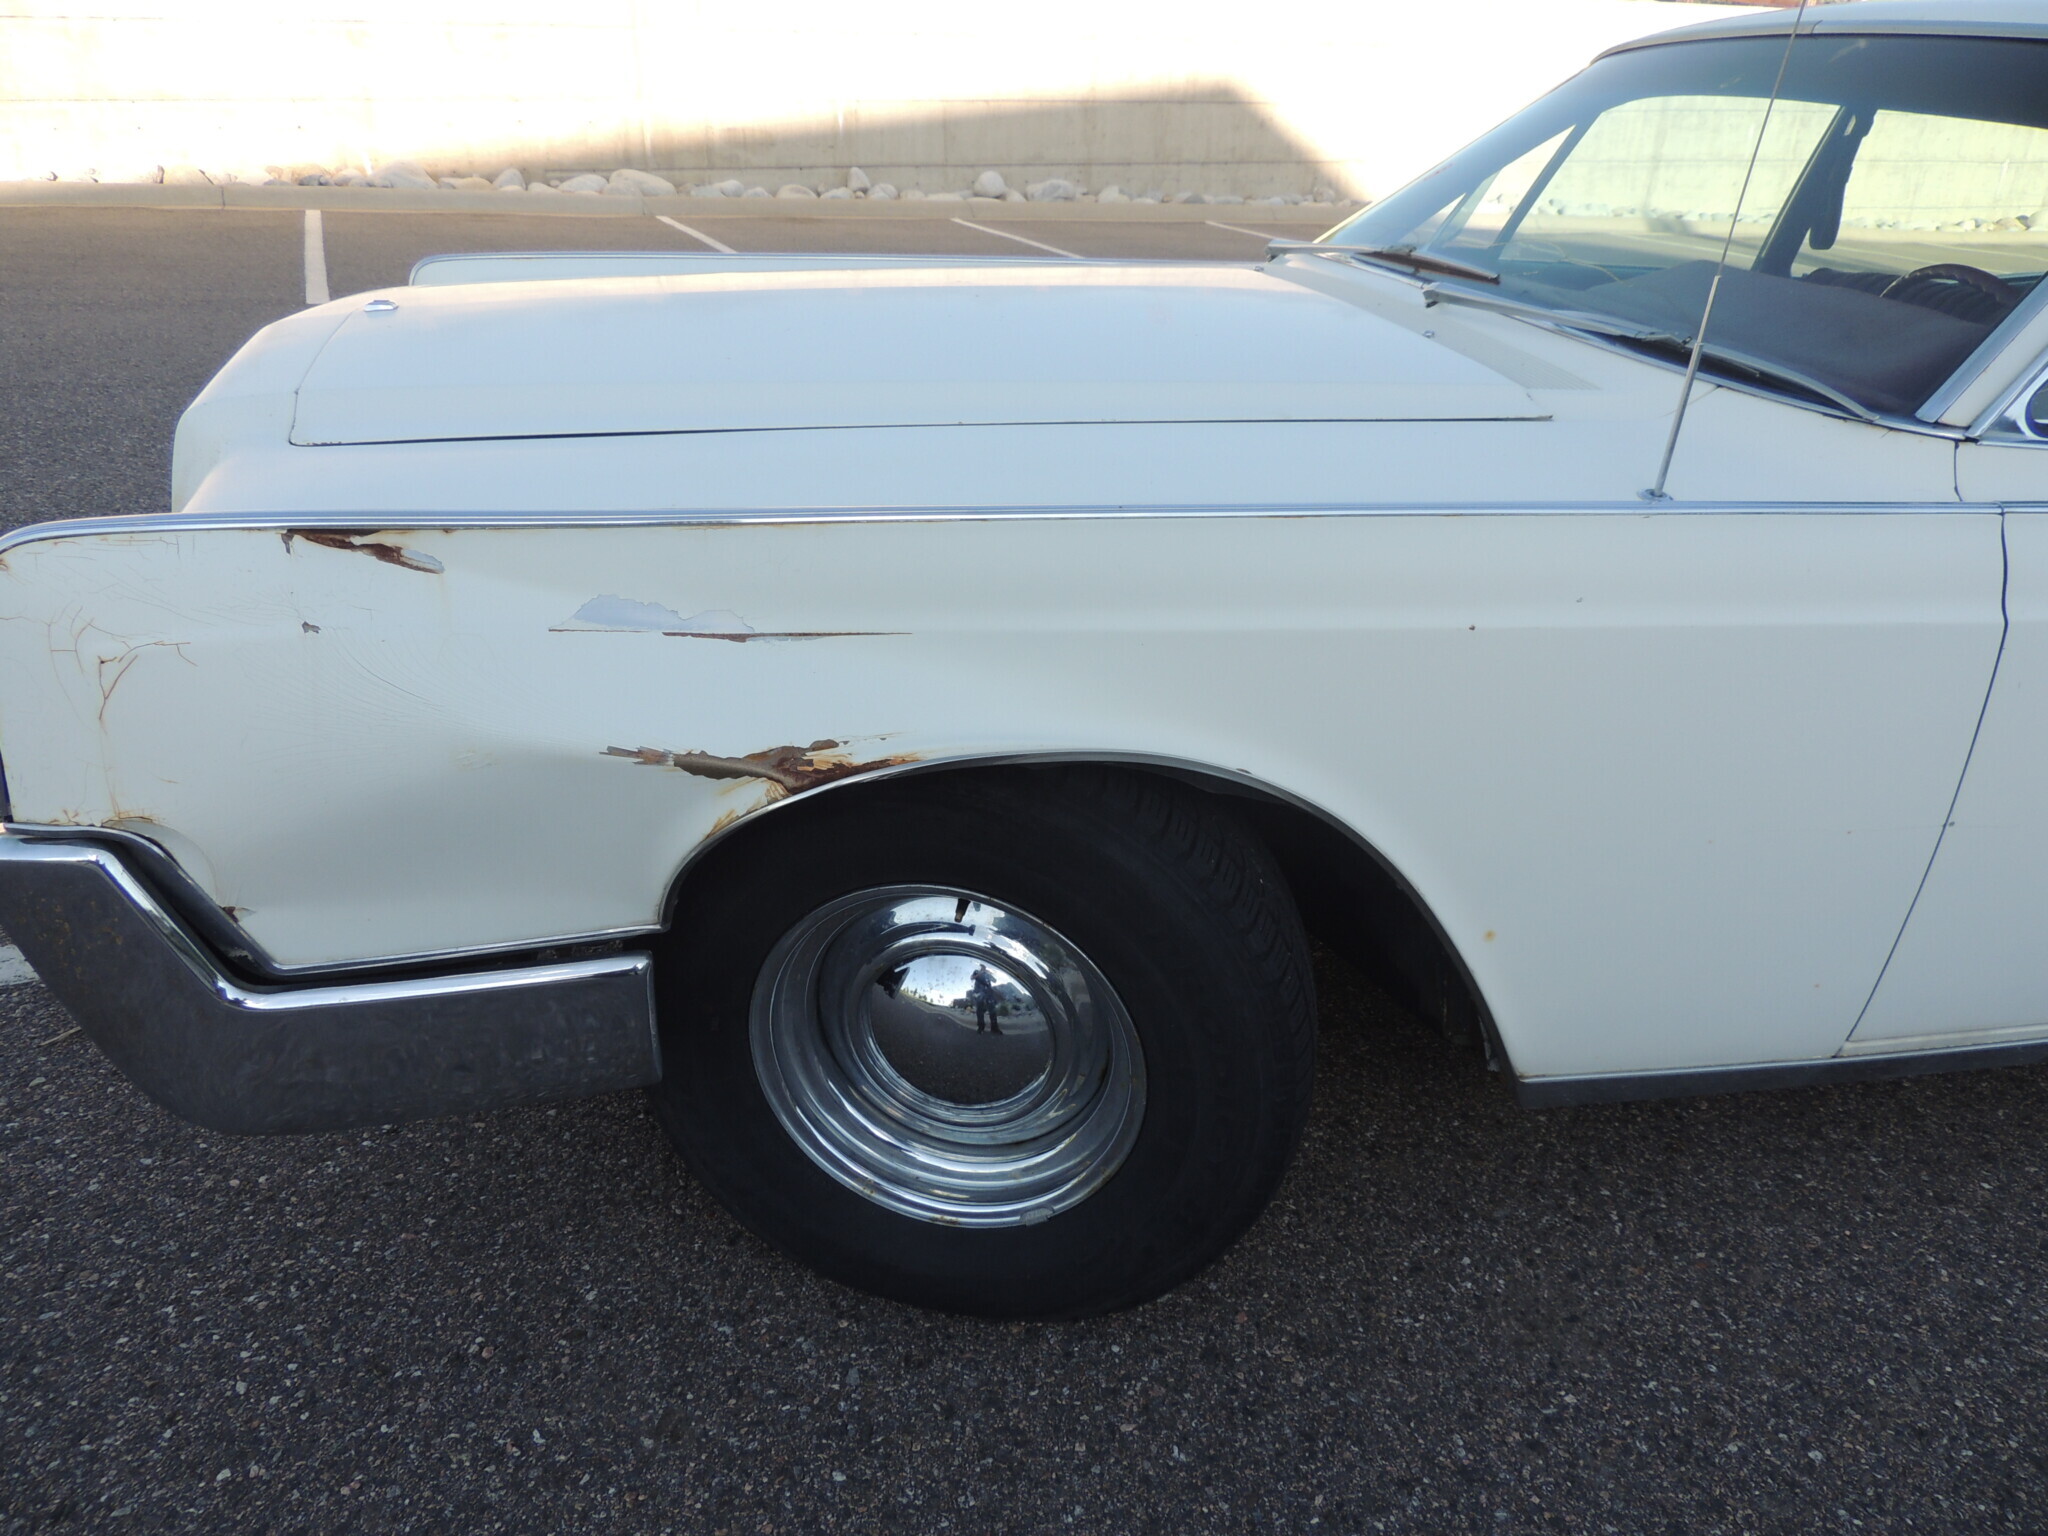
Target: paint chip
[(608, 612)]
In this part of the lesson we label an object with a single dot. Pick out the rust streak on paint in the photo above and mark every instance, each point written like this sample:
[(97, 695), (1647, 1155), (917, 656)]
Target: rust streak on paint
[(790, 769), (359, 540), (126, 660)]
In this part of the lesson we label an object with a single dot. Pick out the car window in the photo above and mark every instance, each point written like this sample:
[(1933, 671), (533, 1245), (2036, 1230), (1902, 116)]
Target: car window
[(1926, 189), (1649, 184), (1896, 214)]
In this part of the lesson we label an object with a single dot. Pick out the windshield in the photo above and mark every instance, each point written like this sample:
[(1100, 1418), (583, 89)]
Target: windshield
[(1896, 216)]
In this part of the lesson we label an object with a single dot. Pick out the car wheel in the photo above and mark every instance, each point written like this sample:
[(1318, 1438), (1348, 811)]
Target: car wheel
[(1019, 1042)]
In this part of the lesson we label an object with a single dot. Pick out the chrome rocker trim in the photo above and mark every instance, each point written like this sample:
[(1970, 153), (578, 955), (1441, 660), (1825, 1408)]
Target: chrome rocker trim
[(250, 1061), (1686, 1083)]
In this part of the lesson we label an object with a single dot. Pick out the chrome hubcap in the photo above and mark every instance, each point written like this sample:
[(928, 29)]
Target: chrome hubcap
[(947, 1057)]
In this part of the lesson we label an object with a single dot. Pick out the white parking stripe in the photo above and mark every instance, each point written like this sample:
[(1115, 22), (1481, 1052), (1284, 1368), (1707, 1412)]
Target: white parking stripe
[(14, 971), (1239, 229), (1006, 235), (316, 259), (695, 234)]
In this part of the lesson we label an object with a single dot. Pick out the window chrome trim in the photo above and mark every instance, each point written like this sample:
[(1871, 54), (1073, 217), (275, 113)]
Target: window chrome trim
[(2013, 346), (2006, 419)]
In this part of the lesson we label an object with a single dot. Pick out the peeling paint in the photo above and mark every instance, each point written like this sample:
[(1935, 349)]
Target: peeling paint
[(608, 613), (361, 542), (790, 770), (784, 634), (728, 817)]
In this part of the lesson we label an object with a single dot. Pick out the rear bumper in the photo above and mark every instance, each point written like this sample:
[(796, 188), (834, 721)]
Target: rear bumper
[(312, 1057)]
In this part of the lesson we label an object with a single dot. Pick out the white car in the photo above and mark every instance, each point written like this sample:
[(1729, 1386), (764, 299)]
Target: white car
[(907, 714)]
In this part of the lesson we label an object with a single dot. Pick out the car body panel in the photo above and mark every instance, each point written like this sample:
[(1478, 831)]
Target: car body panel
[(490, 606), (1944, 18), (1610, 750), (1969, 967), (1590, 431), (945, 346)]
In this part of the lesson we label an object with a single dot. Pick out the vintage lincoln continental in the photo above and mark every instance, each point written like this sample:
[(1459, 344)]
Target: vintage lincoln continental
[(907, 714)]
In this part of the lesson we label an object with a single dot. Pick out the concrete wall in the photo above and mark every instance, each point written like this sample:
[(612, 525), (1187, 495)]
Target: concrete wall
[(1190, 95)]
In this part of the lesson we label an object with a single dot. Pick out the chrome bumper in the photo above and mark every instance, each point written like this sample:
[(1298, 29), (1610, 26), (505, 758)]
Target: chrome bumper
[(311, 1058)]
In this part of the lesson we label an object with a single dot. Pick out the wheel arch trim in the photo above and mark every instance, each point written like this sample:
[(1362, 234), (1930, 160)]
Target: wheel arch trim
[(1207, 777)]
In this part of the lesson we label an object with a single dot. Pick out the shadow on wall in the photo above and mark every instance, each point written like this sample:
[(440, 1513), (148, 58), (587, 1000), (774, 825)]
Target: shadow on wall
[(1203, 137), (1209, 137)]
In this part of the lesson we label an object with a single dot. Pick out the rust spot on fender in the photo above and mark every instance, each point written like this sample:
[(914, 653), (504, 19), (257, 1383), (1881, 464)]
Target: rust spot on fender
[(359, 540), (727, 818), (791, 770)]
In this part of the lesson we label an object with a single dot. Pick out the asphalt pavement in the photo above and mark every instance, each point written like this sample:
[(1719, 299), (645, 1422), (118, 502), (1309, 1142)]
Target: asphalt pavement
[(1820, 1310)]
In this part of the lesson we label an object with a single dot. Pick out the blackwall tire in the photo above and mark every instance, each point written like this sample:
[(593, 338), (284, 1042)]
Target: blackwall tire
[(832, 994)]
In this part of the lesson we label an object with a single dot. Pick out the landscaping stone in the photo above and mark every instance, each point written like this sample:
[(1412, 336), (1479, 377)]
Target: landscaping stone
[(627, 181)]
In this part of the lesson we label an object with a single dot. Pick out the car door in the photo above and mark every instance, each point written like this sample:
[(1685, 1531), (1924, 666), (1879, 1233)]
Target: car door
[(1970, 967)]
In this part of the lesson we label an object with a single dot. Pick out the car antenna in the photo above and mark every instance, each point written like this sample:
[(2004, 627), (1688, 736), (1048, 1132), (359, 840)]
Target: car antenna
[(1692, 363)]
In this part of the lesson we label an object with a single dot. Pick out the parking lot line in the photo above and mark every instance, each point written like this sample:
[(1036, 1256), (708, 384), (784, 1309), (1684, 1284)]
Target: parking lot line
[(1239, 229), (14, 970), (694, 234), (1006, 235), (316, 259)]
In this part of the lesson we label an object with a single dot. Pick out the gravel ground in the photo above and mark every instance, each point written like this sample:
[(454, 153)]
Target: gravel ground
[(1809, 1311)]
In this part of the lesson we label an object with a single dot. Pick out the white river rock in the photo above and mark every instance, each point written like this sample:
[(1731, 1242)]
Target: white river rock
[(626, 181)]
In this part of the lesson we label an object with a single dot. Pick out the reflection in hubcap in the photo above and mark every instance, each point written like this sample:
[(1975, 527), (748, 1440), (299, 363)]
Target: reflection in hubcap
[(959, 1029), (947, 1057)]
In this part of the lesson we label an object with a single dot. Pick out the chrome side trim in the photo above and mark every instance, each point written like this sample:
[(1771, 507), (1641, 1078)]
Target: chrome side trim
[(394, 520), (1630, 1087), (248, 1061), (230, 941)]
